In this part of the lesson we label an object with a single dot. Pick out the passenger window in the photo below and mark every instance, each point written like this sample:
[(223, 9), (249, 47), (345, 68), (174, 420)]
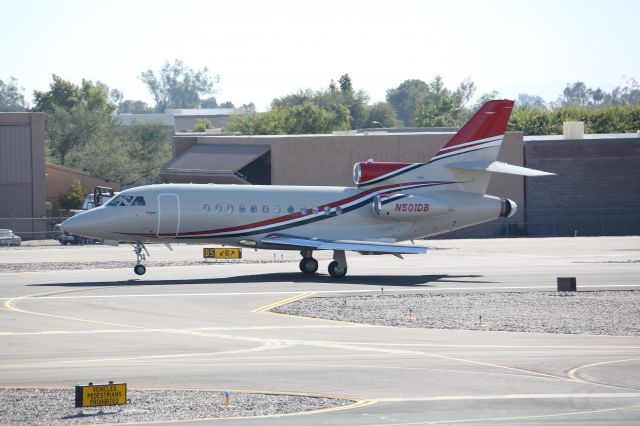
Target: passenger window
[(276, 209), (241, 209), (218, 208), (254, 208), (290, 209), (138, 201), (229, 208), (265, 209)]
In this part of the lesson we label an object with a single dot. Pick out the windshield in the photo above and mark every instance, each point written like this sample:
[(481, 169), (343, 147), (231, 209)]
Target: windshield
[(127, 200)]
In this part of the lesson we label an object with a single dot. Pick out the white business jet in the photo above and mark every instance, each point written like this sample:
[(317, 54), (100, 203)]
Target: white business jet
[(391, 202)]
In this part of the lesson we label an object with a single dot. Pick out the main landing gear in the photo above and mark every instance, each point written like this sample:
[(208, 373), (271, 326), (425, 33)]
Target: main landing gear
[(138, 247), (337, 268)]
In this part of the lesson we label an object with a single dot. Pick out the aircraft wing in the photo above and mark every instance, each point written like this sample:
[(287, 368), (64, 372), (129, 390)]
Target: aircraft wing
[(289, 242)]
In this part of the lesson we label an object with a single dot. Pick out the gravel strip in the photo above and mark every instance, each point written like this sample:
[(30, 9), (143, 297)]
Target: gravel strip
[(117, 264), (56, 406), (599, 312)]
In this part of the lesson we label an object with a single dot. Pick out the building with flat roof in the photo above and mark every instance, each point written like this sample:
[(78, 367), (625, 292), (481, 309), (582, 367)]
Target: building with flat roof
[(22, 191), (182, 120)]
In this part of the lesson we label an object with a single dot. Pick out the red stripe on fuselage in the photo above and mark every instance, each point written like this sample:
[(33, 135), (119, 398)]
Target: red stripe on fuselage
[(298, 215)]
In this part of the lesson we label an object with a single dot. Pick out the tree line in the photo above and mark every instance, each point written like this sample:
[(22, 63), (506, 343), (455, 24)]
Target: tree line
[(416, 103), (82, 130)]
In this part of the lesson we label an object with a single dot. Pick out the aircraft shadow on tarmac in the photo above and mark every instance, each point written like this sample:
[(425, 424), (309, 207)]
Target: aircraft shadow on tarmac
[(293, 277)]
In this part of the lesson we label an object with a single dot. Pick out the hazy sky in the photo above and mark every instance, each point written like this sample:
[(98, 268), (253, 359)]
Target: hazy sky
[(265, 49)]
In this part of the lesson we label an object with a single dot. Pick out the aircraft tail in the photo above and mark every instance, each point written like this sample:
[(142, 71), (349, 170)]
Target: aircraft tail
[(477, 142), (464, 163)]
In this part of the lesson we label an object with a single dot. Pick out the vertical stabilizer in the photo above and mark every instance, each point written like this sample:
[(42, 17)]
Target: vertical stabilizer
[(476, 143), (479, 140)]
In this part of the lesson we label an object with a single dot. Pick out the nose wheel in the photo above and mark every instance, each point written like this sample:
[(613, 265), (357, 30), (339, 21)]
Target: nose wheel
[(138, 248)]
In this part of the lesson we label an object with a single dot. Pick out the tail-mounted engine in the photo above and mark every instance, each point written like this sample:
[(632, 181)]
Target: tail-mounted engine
[(407, 207), (370, 172)]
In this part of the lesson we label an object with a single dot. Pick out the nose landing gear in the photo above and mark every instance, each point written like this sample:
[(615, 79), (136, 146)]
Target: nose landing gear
[(138, 247)]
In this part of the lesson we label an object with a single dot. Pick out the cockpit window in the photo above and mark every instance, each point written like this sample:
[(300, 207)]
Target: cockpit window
[(127, 200), (138, 201), (115, 201)]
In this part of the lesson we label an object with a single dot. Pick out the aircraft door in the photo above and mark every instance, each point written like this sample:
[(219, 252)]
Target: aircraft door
[(168, 216)]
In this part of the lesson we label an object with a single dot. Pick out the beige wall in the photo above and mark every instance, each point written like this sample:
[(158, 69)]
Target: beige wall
[(329, 159), (59, 179), (22, 191)]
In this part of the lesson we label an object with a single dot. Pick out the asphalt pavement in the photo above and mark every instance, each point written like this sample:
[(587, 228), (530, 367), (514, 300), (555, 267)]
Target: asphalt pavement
[(208, 326)]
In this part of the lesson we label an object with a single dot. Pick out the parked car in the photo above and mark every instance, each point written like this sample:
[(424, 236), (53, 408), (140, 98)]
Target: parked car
[(8, 238)]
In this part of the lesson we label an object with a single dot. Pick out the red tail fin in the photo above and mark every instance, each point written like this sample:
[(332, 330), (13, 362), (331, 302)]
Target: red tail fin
[(490, 120)]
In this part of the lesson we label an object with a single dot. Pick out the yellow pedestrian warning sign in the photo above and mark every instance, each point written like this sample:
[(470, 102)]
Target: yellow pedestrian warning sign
[(101, 395)]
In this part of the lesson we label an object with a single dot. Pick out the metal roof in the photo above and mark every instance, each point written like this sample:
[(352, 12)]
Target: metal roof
[(213, 159)]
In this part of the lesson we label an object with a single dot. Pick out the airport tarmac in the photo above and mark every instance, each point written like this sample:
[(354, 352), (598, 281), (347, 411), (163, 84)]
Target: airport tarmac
[(208, 327)]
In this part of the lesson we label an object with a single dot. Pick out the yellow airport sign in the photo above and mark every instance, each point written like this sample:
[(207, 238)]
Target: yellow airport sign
[(101, 395), (222, 253)]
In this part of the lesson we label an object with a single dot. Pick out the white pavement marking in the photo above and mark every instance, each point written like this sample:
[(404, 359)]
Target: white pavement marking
[(516, 396), (390, 290)]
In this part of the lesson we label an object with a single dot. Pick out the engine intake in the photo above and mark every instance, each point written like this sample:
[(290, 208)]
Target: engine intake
[(372, 171)]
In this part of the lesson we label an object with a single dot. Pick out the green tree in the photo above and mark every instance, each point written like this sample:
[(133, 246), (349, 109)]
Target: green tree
[(65, 94), (11, 96), (405, 99), (74, 115), (178, 86), (70, 128), (255, 123), (383, 113), (126, 154), (210, 102), (442, 107), (134, 107), (73, 198), (533, 121), (202, 125), (525, 100)]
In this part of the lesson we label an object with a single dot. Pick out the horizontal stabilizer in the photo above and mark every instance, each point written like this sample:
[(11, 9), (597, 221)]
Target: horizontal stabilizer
[(308, 243), (498, 167)]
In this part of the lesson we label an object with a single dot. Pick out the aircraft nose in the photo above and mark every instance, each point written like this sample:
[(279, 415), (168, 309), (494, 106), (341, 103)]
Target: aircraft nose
[(81, 224)]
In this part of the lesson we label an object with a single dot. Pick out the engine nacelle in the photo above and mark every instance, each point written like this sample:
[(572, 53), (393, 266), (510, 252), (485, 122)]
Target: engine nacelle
[(508, 208), (408, 207), (373, 171)]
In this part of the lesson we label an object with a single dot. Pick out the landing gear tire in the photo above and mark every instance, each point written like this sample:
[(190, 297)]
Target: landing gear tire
[(336, 270), (308, 265), (139, 269)]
